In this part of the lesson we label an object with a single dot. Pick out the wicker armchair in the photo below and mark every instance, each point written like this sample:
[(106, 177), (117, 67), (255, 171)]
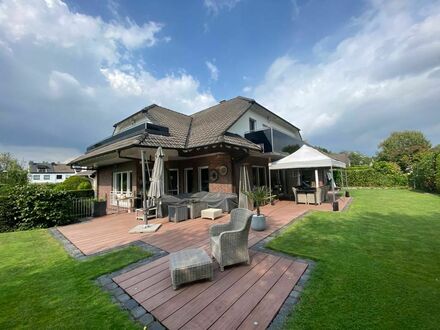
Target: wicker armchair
[(229, 241)]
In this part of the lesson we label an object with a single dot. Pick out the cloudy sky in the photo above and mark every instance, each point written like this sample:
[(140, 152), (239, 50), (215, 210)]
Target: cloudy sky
[(346, 72)]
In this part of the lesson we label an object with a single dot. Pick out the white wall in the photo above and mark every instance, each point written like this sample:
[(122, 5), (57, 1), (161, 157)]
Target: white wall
[(52, 177), (242, 125)]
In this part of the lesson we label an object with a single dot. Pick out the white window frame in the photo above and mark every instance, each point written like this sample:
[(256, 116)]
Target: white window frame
[(177, 171), (199, 172), (185, 178), (115, 174), (56, 177), (48, 177), (36, 177)]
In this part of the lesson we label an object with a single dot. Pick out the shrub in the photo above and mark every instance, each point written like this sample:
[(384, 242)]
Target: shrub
[(426, 173), (37, 206), (73, 183), (7, 221), (41, 207), (383, 175), (86, 185)]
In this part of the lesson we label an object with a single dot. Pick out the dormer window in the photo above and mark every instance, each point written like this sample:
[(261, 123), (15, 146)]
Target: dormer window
[(252, 124)]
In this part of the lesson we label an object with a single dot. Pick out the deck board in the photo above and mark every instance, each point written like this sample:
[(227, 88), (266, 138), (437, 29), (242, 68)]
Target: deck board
[(243, 296)]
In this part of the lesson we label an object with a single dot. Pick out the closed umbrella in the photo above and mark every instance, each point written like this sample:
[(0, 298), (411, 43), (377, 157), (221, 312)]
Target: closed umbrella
[(244, 186), (154, 193), (157, 180)]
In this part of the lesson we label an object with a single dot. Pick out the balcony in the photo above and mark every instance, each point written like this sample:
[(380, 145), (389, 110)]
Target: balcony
[(272, 140)]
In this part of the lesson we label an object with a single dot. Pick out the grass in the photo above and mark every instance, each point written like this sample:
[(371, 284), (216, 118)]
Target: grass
[(42, 287), (378, 264)]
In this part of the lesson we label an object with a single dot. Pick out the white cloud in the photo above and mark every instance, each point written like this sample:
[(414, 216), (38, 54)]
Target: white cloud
[(215, 6), (67, 77), (213, 70), (380, 79)]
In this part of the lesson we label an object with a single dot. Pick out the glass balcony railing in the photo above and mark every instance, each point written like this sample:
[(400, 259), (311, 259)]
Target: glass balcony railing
[(272, 140)]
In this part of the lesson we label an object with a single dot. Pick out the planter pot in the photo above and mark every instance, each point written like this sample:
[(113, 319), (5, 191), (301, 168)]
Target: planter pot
[(347, 193), (335, 206), (99, 208), (258, 222)]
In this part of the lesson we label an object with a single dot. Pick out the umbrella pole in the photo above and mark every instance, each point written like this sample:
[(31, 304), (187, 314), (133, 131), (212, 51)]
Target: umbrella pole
[(144, 202), (270, 184)]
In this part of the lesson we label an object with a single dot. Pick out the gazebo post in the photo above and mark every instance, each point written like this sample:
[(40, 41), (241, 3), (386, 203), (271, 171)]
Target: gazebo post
[(316, 178), (335, 206), (270, 183)]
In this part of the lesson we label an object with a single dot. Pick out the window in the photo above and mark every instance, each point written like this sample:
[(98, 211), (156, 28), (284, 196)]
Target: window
[(189, 179), (46, 177), (259, 176), (252, 124), (204, 178), (59, 177), (121, 182), (35, 177), (173, 181)]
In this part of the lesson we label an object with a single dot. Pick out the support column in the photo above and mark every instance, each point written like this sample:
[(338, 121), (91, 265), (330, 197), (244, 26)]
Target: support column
[(270, 182), (316, 178)]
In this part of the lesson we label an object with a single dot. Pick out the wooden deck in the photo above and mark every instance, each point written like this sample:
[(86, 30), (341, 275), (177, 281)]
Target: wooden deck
[(241, 297)]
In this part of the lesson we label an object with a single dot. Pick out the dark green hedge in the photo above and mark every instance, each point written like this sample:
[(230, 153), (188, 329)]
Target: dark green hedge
[(426, 173), (374, 177), (37, 206)]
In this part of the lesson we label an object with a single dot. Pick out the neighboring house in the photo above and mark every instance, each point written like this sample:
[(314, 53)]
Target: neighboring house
[(49, 172), (203, 151)]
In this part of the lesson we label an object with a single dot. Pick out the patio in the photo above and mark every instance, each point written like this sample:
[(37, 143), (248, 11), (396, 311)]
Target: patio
[(244, 296)]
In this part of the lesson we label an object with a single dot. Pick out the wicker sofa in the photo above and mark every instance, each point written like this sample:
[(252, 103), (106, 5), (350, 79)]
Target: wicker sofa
[(229, 241)]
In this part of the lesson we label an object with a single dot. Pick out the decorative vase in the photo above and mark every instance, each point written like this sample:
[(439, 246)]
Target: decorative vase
[(258, 222)]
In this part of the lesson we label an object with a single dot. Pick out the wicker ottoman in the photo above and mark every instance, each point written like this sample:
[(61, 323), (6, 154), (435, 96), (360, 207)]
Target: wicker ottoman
[(212, 213), (190, 265)]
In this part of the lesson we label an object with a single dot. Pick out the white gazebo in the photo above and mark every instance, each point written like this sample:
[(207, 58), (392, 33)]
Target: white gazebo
[(307, 157)]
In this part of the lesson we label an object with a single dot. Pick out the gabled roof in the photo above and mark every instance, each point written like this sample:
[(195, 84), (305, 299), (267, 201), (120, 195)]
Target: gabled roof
[(202, 128), (209, 126), (49, 168)]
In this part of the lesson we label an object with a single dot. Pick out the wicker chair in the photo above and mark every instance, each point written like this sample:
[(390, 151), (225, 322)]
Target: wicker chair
[(229, 241)]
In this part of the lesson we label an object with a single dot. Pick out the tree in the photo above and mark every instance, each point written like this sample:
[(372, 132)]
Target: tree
[(75, 183), (291, 148), (11, 172), (403, 148), (357, 158), (322, 149)]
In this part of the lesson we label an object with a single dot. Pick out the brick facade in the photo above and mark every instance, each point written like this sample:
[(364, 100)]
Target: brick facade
[(225, 183)]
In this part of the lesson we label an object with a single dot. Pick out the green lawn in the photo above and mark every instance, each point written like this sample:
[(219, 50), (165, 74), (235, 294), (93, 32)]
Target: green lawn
[(42, 287), (378, 264)]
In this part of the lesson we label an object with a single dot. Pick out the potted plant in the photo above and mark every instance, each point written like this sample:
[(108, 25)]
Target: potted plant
[(259, 196), (99, 207)]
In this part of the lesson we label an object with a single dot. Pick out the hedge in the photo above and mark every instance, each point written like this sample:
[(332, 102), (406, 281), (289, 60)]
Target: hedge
[(371, 177), (37, 206), (426, 173)]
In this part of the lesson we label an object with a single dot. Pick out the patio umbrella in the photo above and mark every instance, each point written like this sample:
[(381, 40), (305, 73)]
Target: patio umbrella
[(155, 192), (157, 180), (244, 185)]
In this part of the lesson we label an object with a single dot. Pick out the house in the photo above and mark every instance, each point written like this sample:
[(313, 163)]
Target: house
[(203, 151), (49, 172)]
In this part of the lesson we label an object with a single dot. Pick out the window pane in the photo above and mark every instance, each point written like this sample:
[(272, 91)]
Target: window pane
[(124, 185), (46, 177)]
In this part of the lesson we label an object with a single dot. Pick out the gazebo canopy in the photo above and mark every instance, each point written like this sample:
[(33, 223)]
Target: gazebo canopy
[(305, 157)]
